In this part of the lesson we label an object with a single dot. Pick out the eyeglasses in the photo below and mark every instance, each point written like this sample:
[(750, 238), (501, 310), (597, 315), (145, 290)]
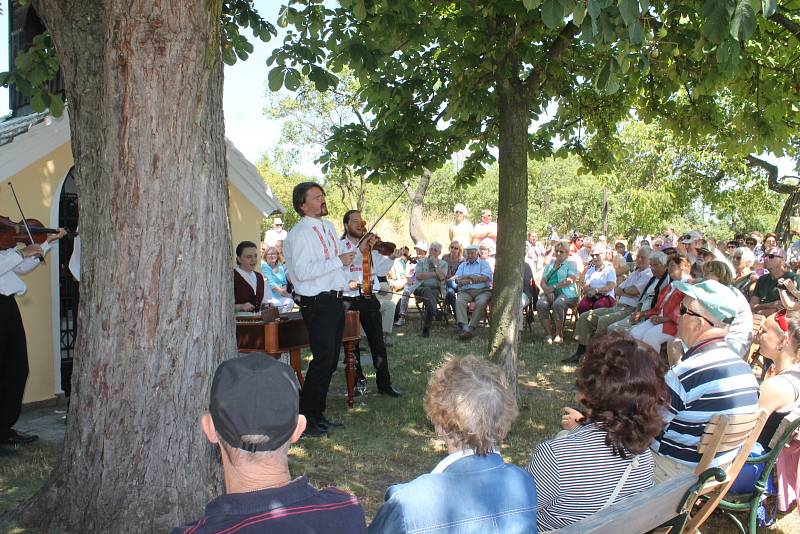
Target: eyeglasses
[(596, 255), (686, 311), (561, 251), (737, 257), (773, 256)]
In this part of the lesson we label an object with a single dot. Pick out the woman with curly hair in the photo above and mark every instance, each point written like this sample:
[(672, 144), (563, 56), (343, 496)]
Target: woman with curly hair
[(604, 454)]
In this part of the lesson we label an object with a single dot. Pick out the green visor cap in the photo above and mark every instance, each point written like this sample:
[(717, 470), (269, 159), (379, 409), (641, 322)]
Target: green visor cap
[(717, 299)]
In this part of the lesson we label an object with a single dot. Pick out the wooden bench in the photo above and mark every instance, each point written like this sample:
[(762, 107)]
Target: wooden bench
[(664, 505)]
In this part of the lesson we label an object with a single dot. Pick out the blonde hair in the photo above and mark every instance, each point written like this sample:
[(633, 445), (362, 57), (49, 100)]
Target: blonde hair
[(468, 400), (718, 271)]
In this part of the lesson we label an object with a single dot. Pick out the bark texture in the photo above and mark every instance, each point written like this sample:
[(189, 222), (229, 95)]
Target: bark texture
[(144, 91), (512, 213), (415, 225)]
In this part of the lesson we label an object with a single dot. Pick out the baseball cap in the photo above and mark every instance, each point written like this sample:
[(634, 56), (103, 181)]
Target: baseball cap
[(254, 395), (422, 245), (691, 237), (471, 246), (716, 298), (460, 207), (277, 220)]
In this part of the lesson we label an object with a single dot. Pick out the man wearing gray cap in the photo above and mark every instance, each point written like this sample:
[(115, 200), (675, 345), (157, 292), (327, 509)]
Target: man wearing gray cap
[(253, 418)]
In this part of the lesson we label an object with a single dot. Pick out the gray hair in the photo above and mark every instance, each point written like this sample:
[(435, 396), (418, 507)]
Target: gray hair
[(645, 251), (435, 244), (658, 257), (748, 257), (470, 404)]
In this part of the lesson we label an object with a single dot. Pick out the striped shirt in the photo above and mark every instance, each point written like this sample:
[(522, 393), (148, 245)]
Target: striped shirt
[(710, 379), (296, 508), (576, 474)]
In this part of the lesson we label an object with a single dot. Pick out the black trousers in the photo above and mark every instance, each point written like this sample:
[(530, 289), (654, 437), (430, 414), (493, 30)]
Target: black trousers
[(369, 313), (324, 319), (13, 363)]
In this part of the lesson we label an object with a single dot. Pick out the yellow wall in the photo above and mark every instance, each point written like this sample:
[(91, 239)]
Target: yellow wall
[(36, 187), (245, 220)]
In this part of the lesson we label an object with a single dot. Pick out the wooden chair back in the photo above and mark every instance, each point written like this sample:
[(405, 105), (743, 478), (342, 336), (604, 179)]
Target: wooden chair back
[(754, 356), (725, 433)]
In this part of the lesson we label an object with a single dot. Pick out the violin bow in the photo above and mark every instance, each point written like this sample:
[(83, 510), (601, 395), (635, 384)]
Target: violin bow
[(406, 185), (24, 222)]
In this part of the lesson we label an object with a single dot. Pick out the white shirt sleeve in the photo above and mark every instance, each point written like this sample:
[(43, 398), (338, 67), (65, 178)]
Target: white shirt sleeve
[(305, 255), (30, 263), (9, 260)]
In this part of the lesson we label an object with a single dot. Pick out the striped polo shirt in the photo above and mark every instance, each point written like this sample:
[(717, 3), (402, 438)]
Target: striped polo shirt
[(710, 379)]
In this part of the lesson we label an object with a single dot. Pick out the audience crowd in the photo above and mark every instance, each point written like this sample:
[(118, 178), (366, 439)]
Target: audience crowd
[(664, 330)]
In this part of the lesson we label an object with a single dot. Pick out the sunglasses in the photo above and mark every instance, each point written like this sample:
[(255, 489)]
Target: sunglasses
[(686, 311), (561, 251), (737, 257), (596, 255), (773, 256)]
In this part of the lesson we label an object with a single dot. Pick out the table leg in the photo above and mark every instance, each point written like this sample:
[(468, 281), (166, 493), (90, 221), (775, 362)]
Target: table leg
[(350, 369), (294, 358)]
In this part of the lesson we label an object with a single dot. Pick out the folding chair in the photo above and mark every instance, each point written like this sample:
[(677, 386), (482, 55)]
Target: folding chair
[(724, 433), (750, 502)]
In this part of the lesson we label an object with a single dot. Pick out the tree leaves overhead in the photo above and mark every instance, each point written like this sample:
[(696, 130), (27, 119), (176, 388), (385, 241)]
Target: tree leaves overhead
[(429, 71)]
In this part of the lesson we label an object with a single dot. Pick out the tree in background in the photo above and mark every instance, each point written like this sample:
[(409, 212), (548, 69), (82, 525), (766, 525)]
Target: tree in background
[(449, 76)]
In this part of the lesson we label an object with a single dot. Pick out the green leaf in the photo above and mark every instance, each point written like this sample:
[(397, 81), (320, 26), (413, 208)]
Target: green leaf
[(552, 14), (768, 7), (607, 80), (744, 21), (579, 14), (38, 101), (636, 33), (645, 5), (359, 10), (283, 17), (530, 5), (293, 79), (629, 9), (56, 105), (275, 78), (716, 19), (594, 8), (728, 57)]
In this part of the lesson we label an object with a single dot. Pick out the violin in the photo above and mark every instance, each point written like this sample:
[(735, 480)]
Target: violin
[(384, 248), (12, 233)]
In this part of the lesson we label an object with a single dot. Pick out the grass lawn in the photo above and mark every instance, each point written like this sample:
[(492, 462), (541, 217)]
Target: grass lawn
[(385, 440)]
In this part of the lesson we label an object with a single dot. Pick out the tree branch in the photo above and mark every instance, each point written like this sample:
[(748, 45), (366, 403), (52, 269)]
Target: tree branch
[(557, 49), (783, 21)]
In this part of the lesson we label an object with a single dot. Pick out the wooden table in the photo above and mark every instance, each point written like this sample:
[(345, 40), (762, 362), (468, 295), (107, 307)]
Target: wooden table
[(289, 334)]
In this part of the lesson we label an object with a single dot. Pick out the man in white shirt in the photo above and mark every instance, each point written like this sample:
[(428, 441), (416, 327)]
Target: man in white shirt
[(276, 233), (367, 306), (314, 264), (13, 344), (485, 228), (595, 322)]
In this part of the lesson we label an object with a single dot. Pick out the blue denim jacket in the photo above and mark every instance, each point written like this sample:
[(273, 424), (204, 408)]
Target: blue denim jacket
[(474, 495)]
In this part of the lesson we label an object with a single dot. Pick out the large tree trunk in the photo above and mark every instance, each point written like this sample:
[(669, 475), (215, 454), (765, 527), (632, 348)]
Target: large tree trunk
[(512, 210), (417, 203), (144, 90)]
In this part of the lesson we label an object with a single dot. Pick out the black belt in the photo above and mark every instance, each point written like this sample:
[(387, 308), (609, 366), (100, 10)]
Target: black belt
[(325, 295), (358, 298)]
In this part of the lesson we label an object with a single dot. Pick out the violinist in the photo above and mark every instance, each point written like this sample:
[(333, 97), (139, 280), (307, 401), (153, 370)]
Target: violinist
[(314, 261), (13, 344), (368, 306)]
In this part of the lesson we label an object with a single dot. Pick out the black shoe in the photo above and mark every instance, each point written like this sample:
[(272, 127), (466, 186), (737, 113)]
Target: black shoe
[(7, 451), (426, 332), (575, 358), (390, 391), (315, 430), (327, 424), (17, 438)]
